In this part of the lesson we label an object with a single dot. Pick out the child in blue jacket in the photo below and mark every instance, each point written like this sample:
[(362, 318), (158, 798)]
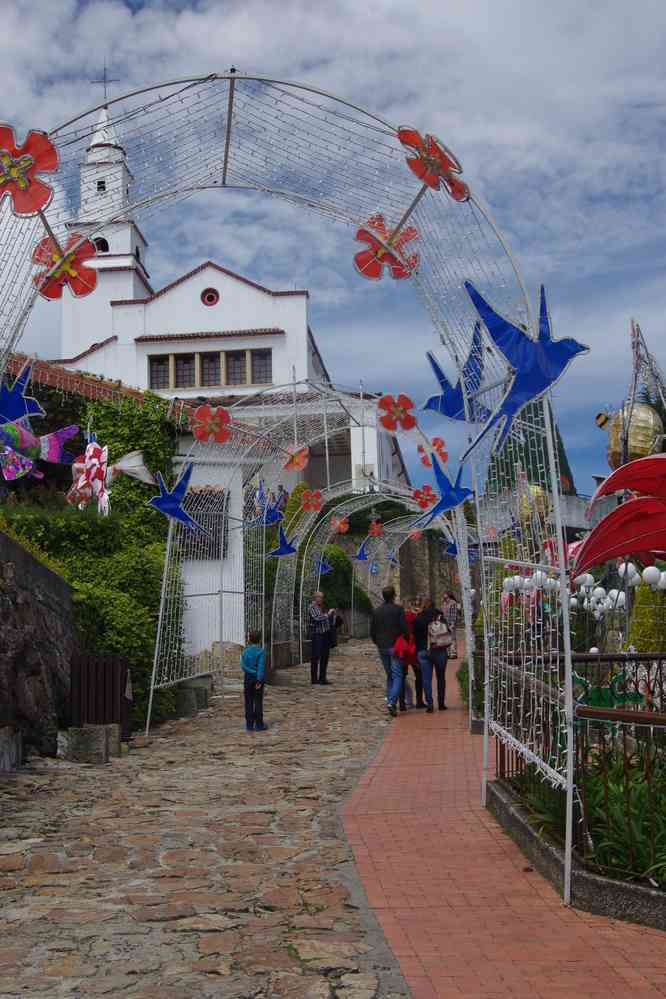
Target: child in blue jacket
[(252, 664)]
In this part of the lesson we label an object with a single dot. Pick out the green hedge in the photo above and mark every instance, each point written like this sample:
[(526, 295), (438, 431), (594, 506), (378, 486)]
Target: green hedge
[(114, 564)]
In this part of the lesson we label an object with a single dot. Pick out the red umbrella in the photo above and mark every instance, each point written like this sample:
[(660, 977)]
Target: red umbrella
[(637, 526)]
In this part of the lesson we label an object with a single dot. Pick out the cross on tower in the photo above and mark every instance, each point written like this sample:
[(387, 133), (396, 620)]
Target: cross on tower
[(105, 82)]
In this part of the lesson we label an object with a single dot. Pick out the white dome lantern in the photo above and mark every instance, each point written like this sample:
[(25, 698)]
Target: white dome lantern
[(651, 575), (599, 593)]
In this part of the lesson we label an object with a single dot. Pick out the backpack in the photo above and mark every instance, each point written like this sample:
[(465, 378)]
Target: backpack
[(439, 635)]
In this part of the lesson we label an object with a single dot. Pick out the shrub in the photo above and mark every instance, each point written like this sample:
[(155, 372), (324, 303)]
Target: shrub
[(337, 585)]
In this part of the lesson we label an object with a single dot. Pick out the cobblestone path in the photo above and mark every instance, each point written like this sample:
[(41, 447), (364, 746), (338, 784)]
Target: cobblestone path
[(210, 863), (457, 899)]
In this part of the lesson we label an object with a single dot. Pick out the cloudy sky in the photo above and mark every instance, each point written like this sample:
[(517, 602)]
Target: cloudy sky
[(555, 110)]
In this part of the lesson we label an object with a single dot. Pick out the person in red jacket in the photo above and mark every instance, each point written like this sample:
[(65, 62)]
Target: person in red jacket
[(405, 650)]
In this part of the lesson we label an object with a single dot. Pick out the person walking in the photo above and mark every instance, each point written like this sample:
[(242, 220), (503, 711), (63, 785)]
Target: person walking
[(253, 666), (439, 642), (411, 614), (450, 611), (320, 637), (422, 622), (388, 624)]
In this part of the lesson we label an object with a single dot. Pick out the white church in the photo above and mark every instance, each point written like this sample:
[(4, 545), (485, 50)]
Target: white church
[(209, 334)]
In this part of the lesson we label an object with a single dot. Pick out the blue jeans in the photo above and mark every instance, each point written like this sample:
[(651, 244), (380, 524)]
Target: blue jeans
[(436, 658), (393, 669)]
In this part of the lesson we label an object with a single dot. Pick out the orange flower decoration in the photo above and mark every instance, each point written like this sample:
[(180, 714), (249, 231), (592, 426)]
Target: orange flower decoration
[(298, 460), (19, 166), (415, 535), (70, 269), (340, 525), (425, 497), (385, 250), (396, 413), (376, 529), (210, 424), (311, 500), (434, 164)]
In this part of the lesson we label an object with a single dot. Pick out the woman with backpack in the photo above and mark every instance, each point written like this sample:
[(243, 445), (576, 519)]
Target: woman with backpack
[(440, 640)]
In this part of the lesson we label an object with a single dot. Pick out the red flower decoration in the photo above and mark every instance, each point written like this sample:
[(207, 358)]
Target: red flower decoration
[(385, 250), (210, 424), (376, 529), (396, 413), (70, 269), (311, 500), (415, 535), (298, 460), (439, 448), (19, 166), (340, 525), (425, 497), (434, 164)]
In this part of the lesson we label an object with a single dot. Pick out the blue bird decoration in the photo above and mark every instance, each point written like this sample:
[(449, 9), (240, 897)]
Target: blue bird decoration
[(450, 496), (362, 554), (171, 503), (451, 549), (450, 402), (322, 566), (373, 568), (15, 405), (285, 547), (537, 364), (392, 558), (269, 512)]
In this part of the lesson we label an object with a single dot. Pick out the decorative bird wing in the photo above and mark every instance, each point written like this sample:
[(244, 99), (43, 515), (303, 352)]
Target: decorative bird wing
[(15, 405), (362, 554), (285, 547), (171, 503), (50, 447), (14, 466), (134, 465), (392, 558), (536, 364), (450, 496), (322, 566), (451, 403), (270, 514), (636, 526)]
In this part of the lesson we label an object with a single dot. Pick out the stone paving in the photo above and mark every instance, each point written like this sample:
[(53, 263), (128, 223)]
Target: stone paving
[(457, 900), (210, 862)]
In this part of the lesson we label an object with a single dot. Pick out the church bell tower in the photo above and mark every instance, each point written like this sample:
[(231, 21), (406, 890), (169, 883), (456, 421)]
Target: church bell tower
[(104, 216)]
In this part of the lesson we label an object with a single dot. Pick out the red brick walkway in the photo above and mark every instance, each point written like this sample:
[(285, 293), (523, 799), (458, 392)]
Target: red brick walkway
[(454, 895)]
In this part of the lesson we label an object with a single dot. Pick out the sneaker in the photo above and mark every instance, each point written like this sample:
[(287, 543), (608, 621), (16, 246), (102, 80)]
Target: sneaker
[(420, 704), (392, 710), (325, 683), (261, 728), (249, 728), (442, 707), (429, 709), (403, 707)]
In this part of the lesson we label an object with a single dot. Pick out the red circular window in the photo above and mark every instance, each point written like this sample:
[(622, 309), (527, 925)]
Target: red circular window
[(210, 296)]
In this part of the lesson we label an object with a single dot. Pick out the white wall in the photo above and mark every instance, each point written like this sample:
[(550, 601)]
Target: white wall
[(180, 310), (211, 587)]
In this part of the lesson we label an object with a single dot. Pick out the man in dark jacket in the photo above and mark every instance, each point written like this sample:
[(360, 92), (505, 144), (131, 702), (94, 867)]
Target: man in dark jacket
[(388, 623)]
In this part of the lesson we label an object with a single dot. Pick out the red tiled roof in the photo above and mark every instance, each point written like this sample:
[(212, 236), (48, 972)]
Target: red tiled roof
[(77, 382), (90, 350), (201, 267), (216, 335)]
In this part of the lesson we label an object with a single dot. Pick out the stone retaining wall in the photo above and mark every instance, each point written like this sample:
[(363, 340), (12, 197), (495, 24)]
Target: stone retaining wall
[(37, 640)]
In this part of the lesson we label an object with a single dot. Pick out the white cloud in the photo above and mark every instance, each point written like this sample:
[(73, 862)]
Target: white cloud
[(554, 111)]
